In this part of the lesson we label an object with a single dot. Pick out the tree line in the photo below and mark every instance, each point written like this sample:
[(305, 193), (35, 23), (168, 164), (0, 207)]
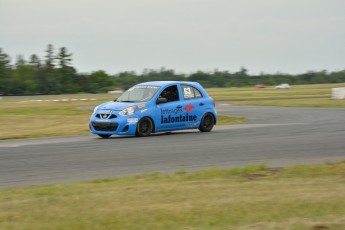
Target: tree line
[(55, 74)]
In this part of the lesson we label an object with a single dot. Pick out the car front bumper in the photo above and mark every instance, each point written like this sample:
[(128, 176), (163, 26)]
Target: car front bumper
[(119, 126)]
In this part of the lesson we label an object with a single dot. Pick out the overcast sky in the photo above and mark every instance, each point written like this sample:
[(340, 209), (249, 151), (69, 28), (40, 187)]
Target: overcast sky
[(290, 36)]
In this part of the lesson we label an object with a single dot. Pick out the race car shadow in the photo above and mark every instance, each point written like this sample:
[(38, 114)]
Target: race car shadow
[(162, 134)]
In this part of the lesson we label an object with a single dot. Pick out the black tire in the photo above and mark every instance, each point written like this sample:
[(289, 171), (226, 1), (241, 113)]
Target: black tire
[(104, 135), (144, 127), (207, 123)]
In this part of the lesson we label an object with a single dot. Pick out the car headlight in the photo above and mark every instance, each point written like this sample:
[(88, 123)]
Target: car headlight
[(128, 111), (95, 109)]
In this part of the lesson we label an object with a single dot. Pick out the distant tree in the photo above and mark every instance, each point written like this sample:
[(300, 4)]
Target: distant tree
[(336, 77), (35, 60), (160, 75), (67, 74), (20, 60), (100, 81), (4, 61), (24, 80), (219, 78), (242, 73), (127, 79), (201, 77), (55, 74), (64, 58), (49, 58), (5, 71), (48, 79)]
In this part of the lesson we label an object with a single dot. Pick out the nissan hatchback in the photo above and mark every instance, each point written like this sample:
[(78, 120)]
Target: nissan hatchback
[(159, 106)]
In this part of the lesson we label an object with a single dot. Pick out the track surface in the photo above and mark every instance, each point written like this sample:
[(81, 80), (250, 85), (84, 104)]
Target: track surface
[(275, 135)]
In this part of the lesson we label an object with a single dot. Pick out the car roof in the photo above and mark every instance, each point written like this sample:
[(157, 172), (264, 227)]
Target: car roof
[(164, 83)]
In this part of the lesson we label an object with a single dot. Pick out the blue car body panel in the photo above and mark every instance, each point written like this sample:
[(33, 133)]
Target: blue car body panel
[(185, 113)]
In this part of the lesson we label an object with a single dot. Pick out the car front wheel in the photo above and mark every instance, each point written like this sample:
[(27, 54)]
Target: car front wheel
[(207, 123), (144, 127)]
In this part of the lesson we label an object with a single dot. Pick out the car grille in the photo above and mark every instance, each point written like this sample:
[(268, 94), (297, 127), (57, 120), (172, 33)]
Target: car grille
[(111, 116), (102, 126)]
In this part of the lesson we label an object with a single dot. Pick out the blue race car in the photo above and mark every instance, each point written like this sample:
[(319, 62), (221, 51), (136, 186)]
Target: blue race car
[(159, 106)]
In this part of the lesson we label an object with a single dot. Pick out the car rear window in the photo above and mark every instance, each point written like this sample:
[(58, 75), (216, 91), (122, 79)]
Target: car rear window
[(190, 92)]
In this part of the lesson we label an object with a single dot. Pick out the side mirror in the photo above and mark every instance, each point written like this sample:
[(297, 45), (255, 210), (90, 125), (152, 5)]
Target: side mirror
[(161, 100)]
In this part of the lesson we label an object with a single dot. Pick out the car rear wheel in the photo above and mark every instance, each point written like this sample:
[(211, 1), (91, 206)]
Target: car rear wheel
[(144, 127), (104, 135), (207, 123)]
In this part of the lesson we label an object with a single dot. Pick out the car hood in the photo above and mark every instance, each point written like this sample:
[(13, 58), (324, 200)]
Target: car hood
[(113, 105)]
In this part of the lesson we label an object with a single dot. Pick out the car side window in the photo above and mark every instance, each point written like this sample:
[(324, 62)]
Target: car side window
[(189, 92), (170, 93), (197, 93)]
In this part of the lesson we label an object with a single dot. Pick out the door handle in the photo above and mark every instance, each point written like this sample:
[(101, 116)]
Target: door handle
[(201, 104), (179, 107)]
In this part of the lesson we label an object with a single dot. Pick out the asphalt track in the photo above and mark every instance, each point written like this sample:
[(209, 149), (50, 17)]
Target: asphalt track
[(275, 135)]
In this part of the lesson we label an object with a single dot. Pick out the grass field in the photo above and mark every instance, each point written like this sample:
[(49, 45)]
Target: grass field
[(56, 115), (24, 117), (318, 95), (253, 197)]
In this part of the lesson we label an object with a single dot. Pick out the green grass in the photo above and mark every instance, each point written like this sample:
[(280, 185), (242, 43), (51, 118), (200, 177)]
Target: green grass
[(20, 117), (318, 95), (313, 103), (253, 197), (230, 120), (23, 118)]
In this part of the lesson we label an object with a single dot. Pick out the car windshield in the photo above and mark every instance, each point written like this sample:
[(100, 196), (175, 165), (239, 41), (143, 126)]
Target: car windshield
[(138, 93)]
